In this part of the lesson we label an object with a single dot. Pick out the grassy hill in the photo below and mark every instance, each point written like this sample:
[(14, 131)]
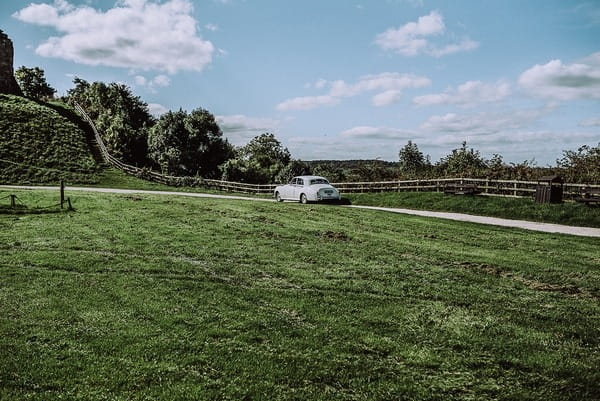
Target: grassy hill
[(207, 299), (42, 144)]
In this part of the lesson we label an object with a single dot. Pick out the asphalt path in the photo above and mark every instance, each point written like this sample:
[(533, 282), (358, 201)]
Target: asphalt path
[(526, 225)]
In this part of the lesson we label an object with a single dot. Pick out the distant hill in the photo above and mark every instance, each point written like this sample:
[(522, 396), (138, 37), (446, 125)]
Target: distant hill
[(43, 143)]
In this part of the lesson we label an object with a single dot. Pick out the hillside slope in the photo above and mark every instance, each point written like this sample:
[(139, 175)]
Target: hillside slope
[(39, 145)]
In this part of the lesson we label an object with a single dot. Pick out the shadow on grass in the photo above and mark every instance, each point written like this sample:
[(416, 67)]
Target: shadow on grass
[(27, 210)]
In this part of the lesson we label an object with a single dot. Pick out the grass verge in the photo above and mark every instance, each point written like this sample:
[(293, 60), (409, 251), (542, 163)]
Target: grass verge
[(148, 297), (569, 213)]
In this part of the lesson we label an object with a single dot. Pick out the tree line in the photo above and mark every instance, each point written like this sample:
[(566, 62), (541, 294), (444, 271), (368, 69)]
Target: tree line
[(185, 143)]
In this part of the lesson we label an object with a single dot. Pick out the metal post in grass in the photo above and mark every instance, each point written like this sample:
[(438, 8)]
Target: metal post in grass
[(13, 200), (69, 203), (62, 193)]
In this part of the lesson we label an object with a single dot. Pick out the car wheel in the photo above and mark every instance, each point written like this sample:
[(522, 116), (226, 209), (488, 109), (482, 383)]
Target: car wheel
[(303, 199), (278, 197)]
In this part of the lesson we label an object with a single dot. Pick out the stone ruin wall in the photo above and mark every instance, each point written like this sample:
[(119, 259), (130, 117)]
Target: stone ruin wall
[(8, 83)]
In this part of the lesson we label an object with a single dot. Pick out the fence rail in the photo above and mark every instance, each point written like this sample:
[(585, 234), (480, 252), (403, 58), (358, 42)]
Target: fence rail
[(487, 187)]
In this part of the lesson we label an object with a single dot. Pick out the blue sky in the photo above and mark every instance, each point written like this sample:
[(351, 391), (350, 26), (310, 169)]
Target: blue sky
[(340, 79)]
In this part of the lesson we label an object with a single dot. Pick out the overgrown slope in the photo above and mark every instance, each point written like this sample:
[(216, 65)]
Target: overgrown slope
[(39, 145)]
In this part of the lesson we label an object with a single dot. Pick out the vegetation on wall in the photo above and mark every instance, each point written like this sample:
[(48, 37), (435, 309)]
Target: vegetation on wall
[(39, 145)]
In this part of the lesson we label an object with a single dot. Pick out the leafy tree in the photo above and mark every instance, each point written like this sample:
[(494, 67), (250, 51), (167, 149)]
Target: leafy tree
[(463, 161), (189, 144), (292, 169), (258, 162), (582, 165), (412, 161), (122, 118), (331, 170), (266, 151), (33, 83)]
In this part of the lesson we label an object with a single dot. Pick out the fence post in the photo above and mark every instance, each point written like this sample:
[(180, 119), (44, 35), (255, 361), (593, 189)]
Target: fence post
[(69, 203), (62, 193), (13, 202), (515, 188)]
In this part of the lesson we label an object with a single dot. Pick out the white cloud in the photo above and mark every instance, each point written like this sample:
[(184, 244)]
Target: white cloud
[(157, 109), (563, 82), (484, 123), (211, 27), (384, 82), (337, 148), (320, 84), (464, 45), (388, 84), (414, 38), (307, 102), (590, 122), (137, 34), (239, 128), (159, 81), (368, 132), (388, 97), (409, 39), (512, 141), (468, 94)]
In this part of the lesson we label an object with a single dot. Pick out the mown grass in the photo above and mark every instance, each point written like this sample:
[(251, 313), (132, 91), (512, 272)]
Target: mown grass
[(569, 213), (148, 297), (39, 145)]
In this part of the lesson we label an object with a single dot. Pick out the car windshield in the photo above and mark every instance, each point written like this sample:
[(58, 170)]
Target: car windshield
[(318, 181)]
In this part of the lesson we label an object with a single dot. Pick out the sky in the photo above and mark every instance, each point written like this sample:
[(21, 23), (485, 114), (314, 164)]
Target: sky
[(340, 79)]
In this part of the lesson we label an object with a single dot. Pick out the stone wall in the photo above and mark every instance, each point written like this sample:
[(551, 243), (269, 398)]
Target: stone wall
[(8, 83)]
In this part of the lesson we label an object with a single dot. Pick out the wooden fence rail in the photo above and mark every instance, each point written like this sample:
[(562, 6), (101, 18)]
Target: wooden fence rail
[(486, 186)]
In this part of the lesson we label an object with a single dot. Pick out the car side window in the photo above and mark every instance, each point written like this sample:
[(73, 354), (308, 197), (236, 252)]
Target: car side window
[(300, 181), (293, 181)]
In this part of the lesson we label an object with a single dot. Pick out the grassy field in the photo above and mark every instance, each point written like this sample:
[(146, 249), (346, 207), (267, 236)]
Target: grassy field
[(156, 298), (569, 213)]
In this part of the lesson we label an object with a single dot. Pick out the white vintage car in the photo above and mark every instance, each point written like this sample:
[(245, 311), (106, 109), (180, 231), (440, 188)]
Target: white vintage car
[(307, 188)]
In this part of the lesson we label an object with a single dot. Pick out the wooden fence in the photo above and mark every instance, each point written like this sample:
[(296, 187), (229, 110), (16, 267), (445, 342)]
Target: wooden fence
[(487, 186)]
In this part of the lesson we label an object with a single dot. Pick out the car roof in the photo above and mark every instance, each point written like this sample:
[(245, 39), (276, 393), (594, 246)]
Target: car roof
[(311, 177)]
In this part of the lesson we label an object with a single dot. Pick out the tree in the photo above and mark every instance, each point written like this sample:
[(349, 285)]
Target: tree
[(291, 170), (258, 162), (411, 160), (463, 161), (266, 151), (33, 83), (122, 118), (189, 144), (582, 165)]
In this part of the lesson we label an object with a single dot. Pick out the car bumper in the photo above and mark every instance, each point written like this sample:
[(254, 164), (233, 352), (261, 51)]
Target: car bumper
[(326, 198)]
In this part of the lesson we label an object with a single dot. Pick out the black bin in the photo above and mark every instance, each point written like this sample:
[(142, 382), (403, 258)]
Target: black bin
[(549, 189)]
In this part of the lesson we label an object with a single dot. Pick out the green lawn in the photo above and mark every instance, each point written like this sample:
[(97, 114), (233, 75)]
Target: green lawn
[(158, 298), (569, 213)]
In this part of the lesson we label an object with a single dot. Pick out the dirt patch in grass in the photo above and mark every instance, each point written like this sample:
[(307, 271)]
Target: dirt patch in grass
[(335, 235), (566, 289)]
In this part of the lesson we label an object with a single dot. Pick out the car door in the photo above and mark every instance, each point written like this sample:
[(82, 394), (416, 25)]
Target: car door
[(288, 190), (298, 188)]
